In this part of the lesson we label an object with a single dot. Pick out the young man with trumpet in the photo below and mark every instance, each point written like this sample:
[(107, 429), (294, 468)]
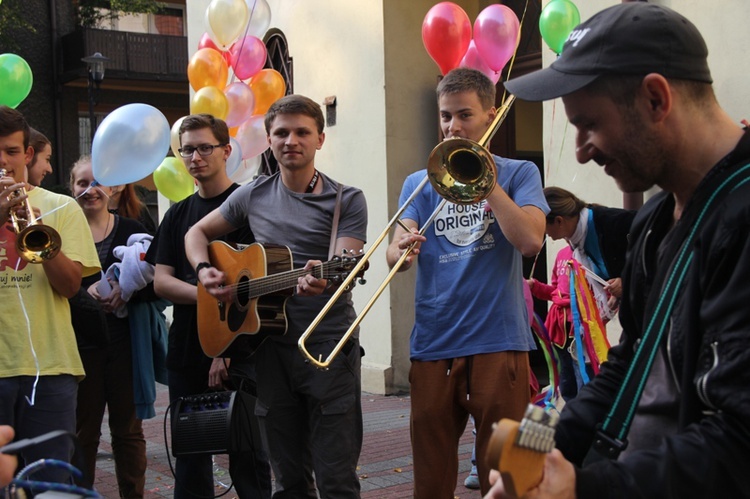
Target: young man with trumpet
[(39, 362), (312, 419), (471, 337)]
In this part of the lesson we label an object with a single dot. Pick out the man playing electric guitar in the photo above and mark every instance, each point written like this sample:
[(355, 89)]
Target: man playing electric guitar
[(204, 149), (312, 419)]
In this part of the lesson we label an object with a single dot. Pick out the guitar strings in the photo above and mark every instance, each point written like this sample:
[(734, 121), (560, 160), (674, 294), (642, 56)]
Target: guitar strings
[(261, 284)]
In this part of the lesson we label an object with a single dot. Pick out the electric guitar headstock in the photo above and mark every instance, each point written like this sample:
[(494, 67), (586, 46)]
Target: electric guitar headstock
[(517, 450)]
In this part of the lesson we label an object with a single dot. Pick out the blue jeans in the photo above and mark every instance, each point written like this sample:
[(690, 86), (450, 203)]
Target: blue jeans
[(54, 409)]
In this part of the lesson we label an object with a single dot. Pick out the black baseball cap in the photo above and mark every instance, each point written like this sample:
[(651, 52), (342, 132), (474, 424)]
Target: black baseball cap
[(627, 39)]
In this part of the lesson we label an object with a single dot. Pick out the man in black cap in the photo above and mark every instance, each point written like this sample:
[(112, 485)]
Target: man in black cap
[(669, 414)]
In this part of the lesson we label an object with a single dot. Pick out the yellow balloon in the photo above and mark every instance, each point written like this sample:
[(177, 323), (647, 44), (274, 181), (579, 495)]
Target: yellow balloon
[(172, 179), (210, 100), (227, 20)]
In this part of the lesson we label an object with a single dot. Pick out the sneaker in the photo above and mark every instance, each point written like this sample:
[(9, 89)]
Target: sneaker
[(472, 481)]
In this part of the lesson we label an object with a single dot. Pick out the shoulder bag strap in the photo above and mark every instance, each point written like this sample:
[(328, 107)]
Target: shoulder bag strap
[(610, 438), (335, 224)]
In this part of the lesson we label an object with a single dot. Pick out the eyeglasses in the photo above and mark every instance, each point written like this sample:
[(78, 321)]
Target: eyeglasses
[(203, 150)]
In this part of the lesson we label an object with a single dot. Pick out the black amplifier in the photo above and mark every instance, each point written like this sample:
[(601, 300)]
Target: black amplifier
[(215, 423)]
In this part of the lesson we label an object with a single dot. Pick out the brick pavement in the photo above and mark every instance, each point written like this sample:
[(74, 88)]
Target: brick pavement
[(385, 466)]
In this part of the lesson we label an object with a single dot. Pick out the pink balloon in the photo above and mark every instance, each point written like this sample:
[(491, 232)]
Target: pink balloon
[(252, 136), (473, 60), (496, 35), (206, 42), (446, 33), (248, 56), (241, 103)]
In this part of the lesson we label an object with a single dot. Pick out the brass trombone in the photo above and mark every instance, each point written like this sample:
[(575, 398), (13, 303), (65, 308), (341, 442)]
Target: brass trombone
[(461, 171), (35, 242)]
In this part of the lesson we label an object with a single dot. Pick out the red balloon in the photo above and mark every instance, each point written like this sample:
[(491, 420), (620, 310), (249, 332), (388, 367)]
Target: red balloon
[(446, 34), (206, 42)]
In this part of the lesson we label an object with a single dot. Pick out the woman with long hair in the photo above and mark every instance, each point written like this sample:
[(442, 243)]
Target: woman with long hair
[(125, 202), (108, 363)]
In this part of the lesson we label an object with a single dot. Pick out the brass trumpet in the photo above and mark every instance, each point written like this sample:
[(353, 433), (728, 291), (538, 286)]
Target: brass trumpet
[(35, 242), (461, 171)]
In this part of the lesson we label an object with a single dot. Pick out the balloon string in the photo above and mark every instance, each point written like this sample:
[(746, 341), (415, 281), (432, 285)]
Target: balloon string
[(93, 185), (515, 52), (551, 135), (242, 44)]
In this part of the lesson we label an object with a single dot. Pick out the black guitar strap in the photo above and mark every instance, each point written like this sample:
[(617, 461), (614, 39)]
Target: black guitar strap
[(335, 224), (611, 436)]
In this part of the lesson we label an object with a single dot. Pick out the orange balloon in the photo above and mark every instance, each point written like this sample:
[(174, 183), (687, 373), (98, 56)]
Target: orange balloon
[(268, 86), (233, 130), (210, 100), (207, 68)]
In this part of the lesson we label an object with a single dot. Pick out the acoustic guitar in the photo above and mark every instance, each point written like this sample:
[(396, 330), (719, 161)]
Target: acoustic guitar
[(262, 278), (517, 450)]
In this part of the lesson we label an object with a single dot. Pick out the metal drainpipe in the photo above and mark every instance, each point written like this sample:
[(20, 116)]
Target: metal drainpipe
[(59, 174), (632, 200)]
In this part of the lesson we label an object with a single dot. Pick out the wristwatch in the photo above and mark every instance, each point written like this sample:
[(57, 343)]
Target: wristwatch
[(201, 266)]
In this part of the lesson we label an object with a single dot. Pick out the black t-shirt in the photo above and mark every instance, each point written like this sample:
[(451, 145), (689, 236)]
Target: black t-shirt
[(118, 329), (168, 248)]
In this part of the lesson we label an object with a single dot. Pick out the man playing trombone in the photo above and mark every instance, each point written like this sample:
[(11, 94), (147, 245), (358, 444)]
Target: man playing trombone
[(471, 337), (39, 362)]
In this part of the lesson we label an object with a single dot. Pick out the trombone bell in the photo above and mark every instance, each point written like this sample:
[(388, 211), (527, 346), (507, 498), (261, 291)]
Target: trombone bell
[(462, 171)]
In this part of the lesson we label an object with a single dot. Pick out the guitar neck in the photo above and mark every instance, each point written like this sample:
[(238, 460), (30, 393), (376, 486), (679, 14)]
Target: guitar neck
[(285, 280)]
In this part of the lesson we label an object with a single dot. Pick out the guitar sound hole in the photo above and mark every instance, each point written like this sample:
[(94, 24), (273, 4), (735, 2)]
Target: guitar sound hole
[(243, 291)]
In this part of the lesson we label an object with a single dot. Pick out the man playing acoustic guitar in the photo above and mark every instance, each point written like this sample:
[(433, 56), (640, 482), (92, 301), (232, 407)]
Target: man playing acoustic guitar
[(312, 419), (204, 149)]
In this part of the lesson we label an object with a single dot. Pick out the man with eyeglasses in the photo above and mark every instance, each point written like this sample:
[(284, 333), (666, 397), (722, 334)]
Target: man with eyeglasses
[(205, 149)]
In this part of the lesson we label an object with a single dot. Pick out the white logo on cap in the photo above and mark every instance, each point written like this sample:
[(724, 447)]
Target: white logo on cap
[(577, 35)]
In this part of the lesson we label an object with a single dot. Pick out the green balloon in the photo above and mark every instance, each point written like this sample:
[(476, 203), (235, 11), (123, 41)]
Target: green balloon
[(15, 79), (173, 180), (557, 20)]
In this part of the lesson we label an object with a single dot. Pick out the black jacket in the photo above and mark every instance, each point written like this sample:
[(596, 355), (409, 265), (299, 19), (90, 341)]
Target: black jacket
[(612, 229), (707, 349)]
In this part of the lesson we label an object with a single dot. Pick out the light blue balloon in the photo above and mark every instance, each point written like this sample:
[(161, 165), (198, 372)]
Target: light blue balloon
[(235, 157), (130, 144)]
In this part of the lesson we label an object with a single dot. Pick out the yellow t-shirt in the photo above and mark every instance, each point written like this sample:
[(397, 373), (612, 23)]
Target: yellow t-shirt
[(28, 302)]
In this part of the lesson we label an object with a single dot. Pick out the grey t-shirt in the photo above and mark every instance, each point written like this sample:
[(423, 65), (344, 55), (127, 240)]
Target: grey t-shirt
[(303, 223)]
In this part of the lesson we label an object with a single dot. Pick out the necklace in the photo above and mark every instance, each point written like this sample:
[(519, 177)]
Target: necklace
[(104, 236)]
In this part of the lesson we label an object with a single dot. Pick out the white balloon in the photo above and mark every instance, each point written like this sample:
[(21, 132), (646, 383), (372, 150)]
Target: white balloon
[(234, 161), (129, 145), (260, 17), (247, 171)]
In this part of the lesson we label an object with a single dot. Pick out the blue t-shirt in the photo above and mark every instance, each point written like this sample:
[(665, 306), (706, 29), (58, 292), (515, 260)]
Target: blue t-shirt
[(469, 294)]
